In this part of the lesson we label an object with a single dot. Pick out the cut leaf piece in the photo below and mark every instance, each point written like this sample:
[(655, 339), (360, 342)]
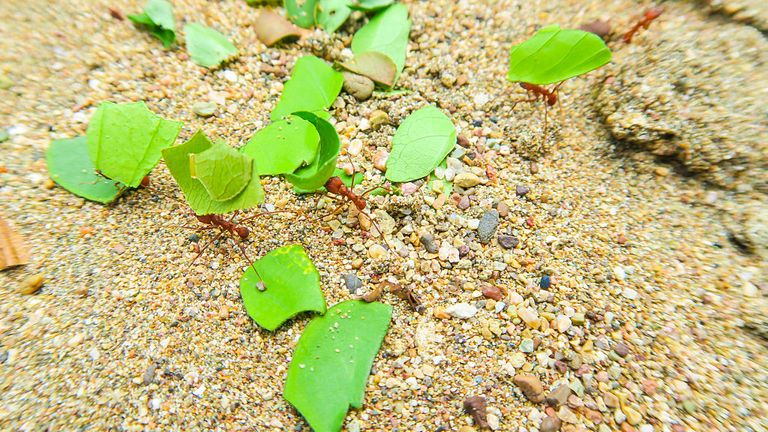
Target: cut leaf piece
[(553, 55), (313, 176), (283, 284), (272, 28), (13, 251), (223, 171), (370, 5), (158, 18), (177, 160), (125, 140), (206, 46), (313, 87), (71, 168), (420, 143), (283, 146), (374, 65), (301, 12), (386, 33), (333, 358), (331, 14)]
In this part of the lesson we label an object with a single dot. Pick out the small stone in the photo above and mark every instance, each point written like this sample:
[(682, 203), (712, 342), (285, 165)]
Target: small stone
[(611, 401), (558, 396), (629, 293), (567, 415), (466, 180), (550, 424), (476, 407), (563, 323), (508, 241), (530, 386), (199, 391), (377, 252), (529, 316), (463, 203), (378, 118), (204, 109), (409, 188), (32, 284), (545, 282), (428, 241), (380, 160), (358, 86), (621, 349), (462, 310), (522, 190), (649, 387), (633, 416), (441, 313), (488, 224), (492, 292), (526, 345), (578, 319), (352, 282), (149, 374)]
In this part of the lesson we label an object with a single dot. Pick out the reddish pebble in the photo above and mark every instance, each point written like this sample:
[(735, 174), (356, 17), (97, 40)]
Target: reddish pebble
[(530, 222), (493, 292), (649, 387)]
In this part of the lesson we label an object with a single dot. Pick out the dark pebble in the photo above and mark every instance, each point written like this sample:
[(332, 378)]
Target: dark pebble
[(487, 228), (545, 282), (508, 241), (194, 238), (522, 190), (463, 250), (477, 123), (428, 241), (352, 282)]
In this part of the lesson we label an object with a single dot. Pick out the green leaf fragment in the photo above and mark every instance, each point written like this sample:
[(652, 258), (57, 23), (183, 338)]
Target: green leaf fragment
[(313, 176), (71, 168), (206, 46), (331, 14), (222, 170), (374, 65), (370, 5), (177, 159), (553, 55), (301, 12), (333, 358), (313, 87), (386, 33), (283, 146), (158, 18), (420, 143), (125, 140), (283, 284)]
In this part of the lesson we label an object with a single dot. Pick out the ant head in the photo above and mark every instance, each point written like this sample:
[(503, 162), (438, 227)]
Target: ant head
[(243, 232)]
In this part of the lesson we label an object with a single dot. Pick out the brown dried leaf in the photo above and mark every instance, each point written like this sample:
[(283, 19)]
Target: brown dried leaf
[(373, 295), (405, 293), (13, 252), (476, 406), (374, 65), (600, 28), (272, 28)]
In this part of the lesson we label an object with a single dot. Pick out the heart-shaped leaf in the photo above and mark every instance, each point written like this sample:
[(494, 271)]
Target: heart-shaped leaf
[(332, 361), (206, 46), (71, 168), (375, 65), (283, 284), (223, 171), (331, 14), (125, 140), (313, 87), (386, 33), (272, 28), (553, 55), (158, 19), (283, 146), (313, 176), (301, 12), (420, 143), (177, 160)]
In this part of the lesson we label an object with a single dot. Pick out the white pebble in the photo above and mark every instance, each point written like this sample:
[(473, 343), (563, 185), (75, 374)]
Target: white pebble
[(199, 391), (629, 293), (462, 310), (230, 76)]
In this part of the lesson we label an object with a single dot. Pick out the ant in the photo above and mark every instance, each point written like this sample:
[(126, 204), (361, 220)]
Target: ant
[(648, 16), (548, 96)]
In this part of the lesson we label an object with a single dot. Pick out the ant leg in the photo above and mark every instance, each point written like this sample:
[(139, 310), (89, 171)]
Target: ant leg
[(205, 247), (264, 213), (381, 186), (248, 260), (544, 138)]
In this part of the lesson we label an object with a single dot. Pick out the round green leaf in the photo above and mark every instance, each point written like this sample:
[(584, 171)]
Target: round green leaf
[(420, 143), (177, 160), (332, 361), (283, 146), (386, 33), (125, 140), (71, 168), (553, 55), (314, 175), (223, 171), (283, 284), (206, 46), (313, 87)]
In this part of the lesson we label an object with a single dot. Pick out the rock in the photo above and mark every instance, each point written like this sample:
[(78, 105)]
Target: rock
[(567, 415), (352, 282), (462, 310), (621, 349), (611, 401), (149, 374), (488, 224), (558, 396), (492, 292), (409, 188), (529, 316), (550, 424), (204, 109), (503, 209), (466, 180), (507, 241), (563, 323), (476, 407), (629, 293), (428, 241), (377, 252), (633, 416), (530, 386), (380, 160), (358, 86), (31, 284), (526, 345), (522, 190), (378, 118), (545, 282), (463, 203)]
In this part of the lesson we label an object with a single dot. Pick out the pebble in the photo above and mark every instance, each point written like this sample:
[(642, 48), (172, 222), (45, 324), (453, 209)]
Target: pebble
[(352, 282), (526, 345), (380, 160), (378, 118), (488, 224), (558, 396), (428, 241), (377, 252), (503, 209), (529, 316), (545, 282), (621, 349), (466, 180), (463, 203), (204, 109), (567, 415), (633, 416), (522, 190), (492, 292), (530, 386), (629, 293), (462, 310), (550, 424), (149, 374), (508, 241), (32, 284), (358, 86), (563, 323), (409, 188)]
